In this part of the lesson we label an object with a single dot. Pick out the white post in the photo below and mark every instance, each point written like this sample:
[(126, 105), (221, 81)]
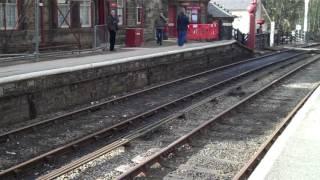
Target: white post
[(273, 24), (94, 37), (305, 26)]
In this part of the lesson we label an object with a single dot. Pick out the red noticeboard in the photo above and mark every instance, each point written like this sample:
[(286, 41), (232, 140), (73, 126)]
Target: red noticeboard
[(113, 5), (194, 7), (208, 32)]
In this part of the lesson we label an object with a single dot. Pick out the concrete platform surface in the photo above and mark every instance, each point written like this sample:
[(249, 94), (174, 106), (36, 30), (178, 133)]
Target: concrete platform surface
[(296, 153), (30, 70)]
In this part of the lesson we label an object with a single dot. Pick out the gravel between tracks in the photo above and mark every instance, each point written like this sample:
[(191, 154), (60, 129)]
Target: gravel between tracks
[(26, 146), (242, 145)]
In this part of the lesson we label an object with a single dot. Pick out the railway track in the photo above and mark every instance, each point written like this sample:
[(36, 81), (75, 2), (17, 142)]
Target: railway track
[(248, 168), (35, 126), (250, 119), (101, 152), (133, 122)]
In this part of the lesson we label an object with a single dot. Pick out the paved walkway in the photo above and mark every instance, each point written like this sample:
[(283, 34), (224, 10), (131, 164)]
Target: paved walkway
[(29, 70), (296, 153)]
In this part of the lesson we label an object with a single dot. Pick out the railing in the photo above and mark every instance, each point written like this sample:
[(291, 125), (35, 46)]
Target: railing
[(282, 38), (101, 36), (239, 36), (262, 40)]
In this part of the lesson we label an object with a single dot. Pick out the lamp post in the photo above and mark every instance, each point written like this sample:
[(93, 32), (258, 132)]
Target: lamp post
[(252, 31), (305, 26)]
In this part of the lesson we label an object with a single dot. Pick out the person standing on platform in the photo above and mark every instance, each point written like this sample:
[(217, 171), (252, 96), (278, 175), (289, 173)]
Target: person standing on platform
[(182, 27), (112, 23), (160, 24)]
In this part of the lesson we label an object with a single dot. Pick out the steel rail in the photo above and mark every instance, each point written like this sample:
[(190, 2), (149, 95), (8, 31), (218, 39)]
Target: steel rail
[(122, 142), (249, 167), (108, 131), (33, 127), (156, 158)]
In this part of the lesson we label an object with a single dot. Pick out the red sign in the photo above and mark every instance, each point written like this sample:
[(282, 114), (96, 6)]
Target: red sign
[(203, 31), (193, 7), (114, 5)]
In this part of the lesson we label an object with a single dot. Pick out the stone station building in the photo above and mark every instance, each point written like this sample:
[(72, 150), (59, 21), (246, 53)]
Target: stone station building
[(66, 24)]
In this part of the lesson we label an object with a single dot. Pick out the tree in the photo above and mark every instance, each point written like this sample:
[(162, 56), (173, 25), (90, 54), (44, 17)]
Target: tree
[(285, 13), (314, 14)]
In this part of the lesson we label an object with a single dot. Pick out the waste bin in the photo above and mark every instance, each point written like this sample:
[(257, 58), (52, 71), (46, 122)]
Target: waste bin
[(134, 37)]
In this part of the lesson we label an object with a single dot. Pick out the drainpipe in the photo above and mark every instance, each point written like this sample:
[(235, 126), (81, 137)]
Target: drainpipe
[(36, 28), (252, 31), (42, 20)]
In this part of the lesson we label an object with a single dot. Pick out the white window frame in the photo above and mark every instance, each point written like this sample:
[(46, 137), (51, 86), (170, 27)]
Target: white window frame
[(120, 11), (139, 16), (8, 3), (88, 6), (68, 18)]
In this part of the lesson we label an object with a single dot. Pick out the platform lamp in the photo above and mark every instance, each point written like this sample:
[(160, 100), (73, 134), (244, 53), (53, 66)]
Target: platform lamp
[(252, 31), (260, 22)]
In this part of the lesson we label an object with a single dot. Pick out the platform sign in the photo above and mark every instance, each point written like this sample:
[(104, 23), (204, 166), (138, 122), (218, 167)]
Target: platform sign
[(298, 27)]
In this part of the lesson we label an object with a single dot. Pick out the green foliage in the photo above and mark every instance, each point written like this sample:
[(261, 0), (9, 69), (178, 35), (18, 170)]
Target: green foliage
[(314, 15), (285, 13)]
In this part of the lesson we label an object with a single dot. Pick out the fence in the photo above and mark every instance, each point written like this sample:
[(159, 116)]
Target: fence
[(262, 40), (101, 36), (239, 36), (282, 38)]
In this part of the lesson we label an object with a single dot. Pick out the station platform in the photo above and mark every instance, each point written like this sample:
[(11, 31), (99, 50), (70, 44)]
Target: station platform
[(46, 87), (43, 68), (295, 154)]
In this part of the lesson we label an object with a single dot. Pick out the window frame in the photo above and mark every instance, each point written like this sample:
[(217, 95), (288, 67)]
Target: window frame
[(4, 25), (89, 7), (139, 16), (66, 20), (120, 8)]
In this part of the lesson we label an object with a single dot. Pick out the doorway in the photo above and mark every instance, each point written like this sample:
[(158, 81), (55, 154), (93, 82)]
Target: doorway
[(172, 20), (103, 11)]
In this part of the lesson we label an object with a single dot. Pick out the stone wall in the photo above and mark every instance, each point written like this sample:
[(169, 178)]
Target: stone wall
[(152, 12), (27, 99)]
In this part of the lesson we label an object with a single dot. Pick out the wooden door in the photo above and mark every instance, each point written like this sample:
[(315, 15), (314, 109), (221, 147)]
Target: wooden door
[(172, 21), (103, 11)]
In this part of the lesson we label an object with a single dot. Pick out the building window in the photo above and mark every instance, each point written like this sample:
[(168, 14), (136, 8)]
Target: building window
[(120, 11), (139, 14), (63, 13), (85, 14), (8, 14), (193, 15)]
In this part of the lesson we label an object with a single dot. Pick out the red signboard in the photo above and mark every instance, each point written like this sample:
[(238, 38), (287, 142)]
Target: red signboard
[(114, 5), (193, 7), (208, 32)]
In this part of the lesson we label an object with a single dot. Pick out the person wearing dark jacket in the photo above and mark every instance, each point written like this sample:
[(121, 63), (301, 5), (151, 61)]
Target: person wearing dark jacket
[(182, 27), (160, 24), (112, 23)]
